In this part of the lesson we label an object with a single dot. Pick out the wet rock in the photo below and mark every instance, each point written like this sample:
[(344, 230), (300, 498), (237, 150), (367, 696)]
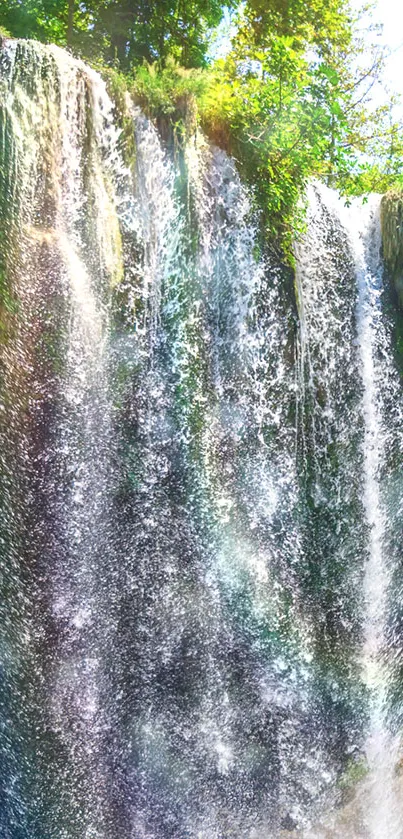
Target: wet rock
[(392, 239)]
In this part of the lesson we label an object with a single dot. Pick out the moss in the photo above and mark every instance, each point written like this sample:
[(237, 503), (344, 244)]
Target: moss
[(392, 239), (118, 87), (392, 247), (355, 771), (178, 100), (170, 96), (167, 96)]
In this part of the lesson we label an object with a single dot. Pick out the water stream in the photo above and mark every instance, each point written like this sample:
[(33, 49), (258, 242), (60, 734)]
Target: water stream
[(200, 491)]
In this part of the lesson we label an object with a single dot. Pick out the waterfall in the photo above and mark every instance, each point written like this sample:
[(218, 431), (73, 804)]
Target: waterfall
[(382, 411), (60, 144), (199, 490), (377, 407)]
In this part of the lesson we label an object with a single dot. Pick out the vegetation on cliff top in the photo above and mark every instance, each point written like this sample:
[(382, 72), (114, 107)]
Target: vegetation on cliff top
[(292, 99)]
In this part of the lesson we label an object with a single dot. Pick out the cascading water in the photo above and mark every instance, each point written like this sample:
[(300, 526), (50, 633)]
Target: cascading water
[(199, 491), (385, 814), (375, 411), (382, 409), (60, 145)]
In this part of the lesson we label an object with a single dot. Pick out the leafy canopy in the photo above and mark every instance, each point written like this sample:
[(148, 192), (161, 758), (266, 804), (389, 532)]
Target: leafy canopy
[(121, 31), (292, 99)]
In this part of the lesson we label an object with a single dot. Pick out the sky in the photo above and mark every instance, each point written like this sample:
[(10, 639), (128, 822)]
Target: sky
[(390, 14)]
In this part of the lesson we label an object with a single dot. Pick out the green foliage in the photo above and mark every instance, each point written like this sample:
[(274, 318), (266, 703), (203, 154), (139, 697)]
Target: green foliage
[(120, 32), (322, 24), (50, 20), (165, 94), (150, 31), (292, 100), (168, 90), (276, 123), (278, 112), (169, 95)]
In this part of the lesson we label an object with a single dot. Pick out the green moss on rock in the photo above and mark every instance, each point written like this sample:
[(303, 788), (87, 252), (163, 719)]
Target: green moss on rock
[(392, 239), (118, 90), (392, 246)]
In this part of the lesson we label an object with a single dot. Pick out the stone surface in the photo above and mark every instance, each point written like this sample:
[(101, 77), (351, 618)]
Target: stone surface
[(392, 239)]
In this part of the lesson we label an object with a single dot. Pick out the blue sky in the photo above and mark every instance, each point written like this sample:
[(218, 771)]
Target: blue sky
[(389, 13)]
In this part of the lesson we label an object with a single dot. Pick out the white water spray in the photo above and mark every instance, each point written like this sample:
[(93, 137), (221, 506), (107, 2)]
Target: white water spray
[(211, 521), (384, 813), (378, 811)]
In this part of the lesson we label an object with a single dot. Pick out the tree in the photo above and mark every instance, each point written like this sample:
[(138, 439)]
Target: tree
[(293, 101), (57, 21), (152, 31), (119, 31), (320, 23)]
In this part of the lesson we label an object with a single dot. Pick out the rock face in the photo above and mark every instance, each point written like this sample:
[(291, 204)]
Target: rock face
[(392, 239)]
